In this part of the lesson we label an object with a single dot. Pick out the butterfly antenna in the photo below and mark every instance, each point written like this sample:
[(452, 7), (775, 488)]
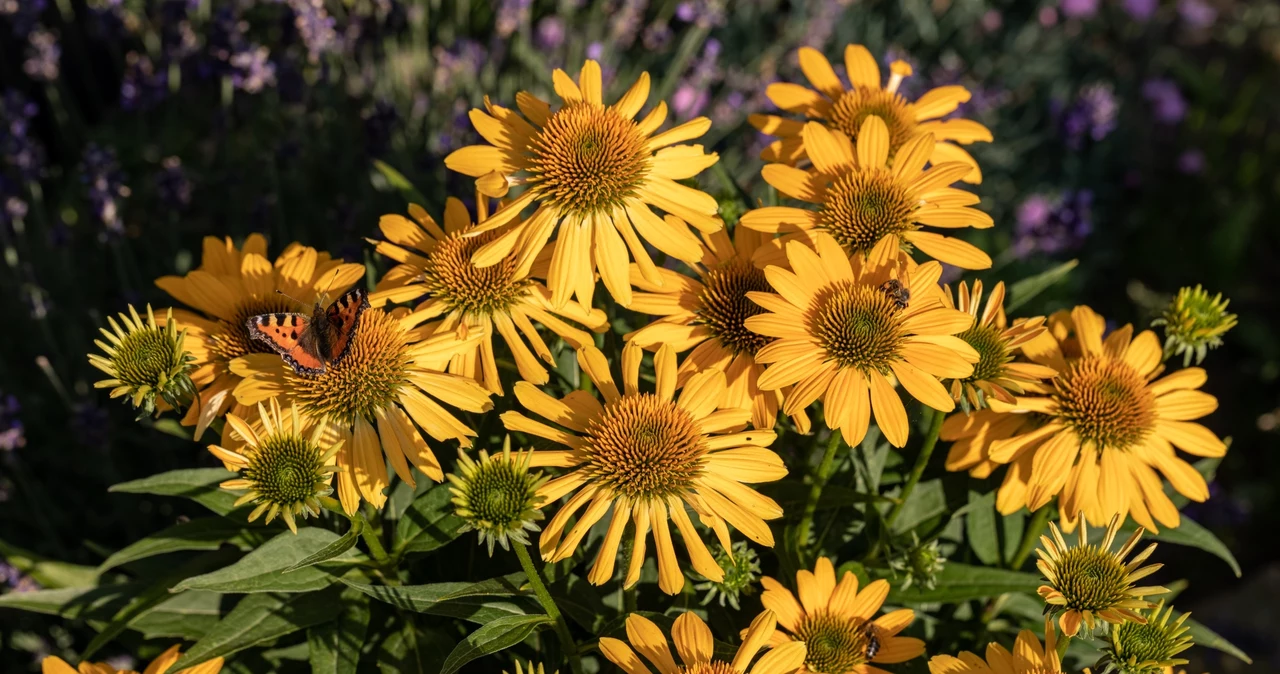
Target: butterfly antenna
[(331, 280), (281, 292)]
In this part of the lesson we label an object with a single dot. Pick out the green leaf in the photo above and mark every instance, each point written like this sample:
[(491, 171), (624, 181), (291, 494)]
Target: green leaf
[(411, 651), (1021, 292), (793, 494), (49, 573), (335, 646), (1203, 636), (498, 635), (186, 615), (261, 570), (1191, 533), (333, 549), (480, 602), (206, 533), (980, 527), (429, 523), (1013, 526), (197, 484), (962, 582), (397, 180), (259, 619), (928, 500), (88, 603)]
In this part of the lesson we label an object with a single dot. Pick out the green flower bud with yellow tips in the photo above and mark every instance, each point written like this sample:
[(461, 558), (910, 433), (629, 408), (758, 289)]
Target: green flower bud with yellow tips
[(1148, 647), (145, 361), (497, 496), (1194, 323)]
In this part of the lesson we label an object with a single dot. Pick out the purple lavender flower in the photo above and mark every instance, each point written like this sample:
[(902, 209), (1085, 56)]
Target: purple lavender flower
[(173, 187), (1048, 17), (315, 27), (1191, 162), (1053, 224), (12, 433), (705, 13), (1092, 116), (464, 57), (625, 23), (16, 580), (254, 70), (511, 15), (689, 101), (43, 54), (1079, 9), (143, 85), (1197, 14), (992, 20), (656, 36), (1140, 10), (104, 183), (18, 149), (822, 23), (1168, 105), (550, 33), (595, 51), (22, 15)]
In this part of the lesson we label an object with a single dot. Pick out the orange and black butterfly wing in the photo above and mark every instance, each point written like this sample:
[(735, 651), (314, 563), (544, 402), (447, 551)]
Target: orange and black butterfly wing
[(291, 336), (342, 321)]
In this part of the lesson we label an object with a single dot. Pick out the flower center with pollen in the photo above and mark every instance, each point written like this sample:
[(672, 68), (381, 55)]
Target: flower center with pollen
[(717, 667), (368, 379), (834, 644), (233, 341), (855, 106), (993, 354), (645, 447), (1106, 402), (450, 276), (723, 305), (864, 206), (1090, 579), (588, 159), (498, 493), (857, 325), (146, 358), (286, 469)]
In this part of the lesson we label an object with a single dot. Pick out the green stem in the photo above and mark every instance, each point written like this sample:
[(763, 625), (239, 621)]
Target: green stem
[(1029, 537), (380, 557), (815, 489), (922, 462), (549, 605)]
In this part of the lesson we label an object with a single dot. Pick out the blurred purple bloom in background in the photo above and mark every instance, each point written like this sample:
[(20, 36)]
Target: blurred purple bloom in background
[(143, 85), (1191, 162), (1168, 105), (315, 27), (15, 580), (254, 70), (625, 23), (1079, 9), (992, 20), (595, 51), (460, 61), (12, 432), (104, 183), (18, 149), (657, 35), (43, 55), (550, 33), (172, 185), (1197, 14), (705, 13), (823, 22), (22, 15), (512, 14), (1093, 115), (1053, 224), (1140, 10)]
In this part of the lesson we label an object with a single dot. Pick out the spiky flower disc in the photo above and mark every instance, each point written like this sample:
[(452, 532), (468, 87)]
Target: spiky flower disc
[(1087, 582), (284, 469), (497, 496), (145, 361), (1193, 323), (741, 567), (1150, 647)]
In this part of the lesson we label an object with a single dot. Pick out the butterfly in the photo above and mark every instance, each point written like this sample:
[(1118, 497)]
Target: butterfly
[(310, 344)]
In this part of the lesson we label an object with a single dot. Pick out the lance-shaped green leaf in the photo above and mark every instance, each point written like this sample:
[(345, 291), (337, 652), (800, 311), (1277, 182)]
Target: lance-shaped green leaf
[(86, 603), (1203, 636), (980, 527), (262, 569), (480, 602), (428, 523), (335, 645), (333, 550), (186, 615), (197, 484), (398, 181), (962, 582), (1191, 533), (50, 573), (206, 533), (1021, 292), (498, 635), (259, 619)]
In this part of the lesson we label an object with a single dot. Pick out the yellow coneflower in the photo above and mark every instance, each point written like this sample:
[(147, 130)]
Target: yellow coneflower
[(457, 296), (1088, 583), (696, 645), (845, 110), (1194, 322), (647, 455), (284, 469), (376, 399), (593, 173), (1149, 647), (709, 316), (1028, 657), (864, 195), (1104, 427), (996, 375), (843, 327), (971, 436), (497, 496), (837, 622), (232, 285), (55, 665), (145, 361)]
